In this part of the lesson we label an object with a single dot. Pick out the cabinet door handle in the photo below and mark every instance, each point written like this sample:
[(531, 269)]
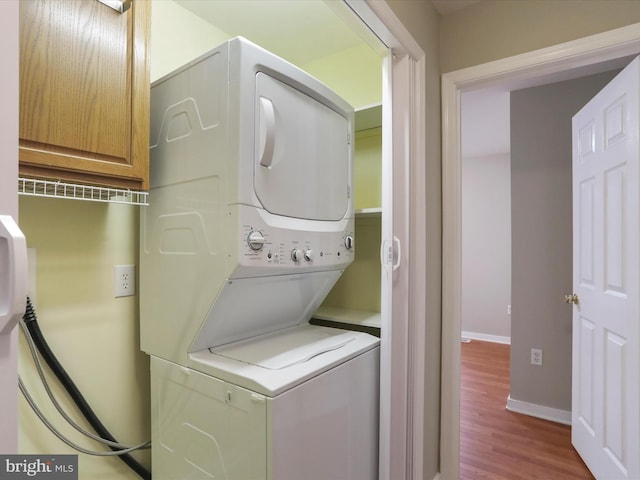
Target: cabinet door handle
[(268, 130), (119, 6)]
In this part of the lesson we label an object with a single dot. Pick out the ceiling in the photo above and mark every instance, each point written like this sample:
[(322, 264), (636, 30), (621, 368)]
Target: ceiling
[(317, 30), (445, 7)]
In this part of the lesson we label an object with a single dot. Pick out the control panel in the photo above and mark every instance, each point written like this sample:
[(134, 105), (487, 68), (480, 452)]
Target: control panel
[(321, 248), (262, 245)]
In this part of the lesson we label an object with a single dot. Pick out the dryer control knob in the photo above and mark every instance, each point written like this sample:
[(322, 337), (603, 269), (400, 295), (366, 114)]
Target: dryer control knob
[(296, 255), (255, 240), (308, 255), (348, 242)]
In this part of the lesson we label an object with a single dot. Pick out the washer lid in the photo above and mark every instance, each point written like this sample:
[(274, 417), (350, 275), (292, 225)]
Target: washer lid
[(240, 365), (282, 350)]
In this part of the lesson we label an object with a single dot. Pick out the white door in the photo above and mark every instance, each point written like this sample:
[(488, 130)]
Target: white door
[(606, 274), (402, 341)]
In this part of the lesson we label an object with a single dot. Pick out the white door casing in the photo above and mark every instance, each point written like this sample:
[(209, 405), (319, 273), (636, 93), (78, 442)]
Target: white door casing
[(9, 207), (403, 232), (606, 278)]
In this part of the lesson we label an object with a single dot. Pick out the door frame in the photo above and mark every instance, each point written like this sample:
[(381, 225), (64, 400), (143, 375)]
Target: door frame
[(9, 85), (562, 61), (402, 356)]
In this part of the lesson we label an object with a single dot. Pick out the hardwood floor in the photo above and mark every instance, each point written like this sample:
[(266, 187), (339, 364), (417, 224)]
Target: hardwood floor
[(498, 444)]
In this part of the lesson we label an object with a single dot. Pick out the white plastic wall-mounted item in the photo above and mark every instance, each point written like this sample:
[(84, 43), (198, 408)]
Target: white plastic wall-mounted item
[(13, 274)]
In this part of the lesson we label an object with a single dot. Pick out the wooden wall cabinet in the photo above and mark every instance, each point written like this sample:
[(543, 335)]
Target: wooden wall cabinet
[(84, 92)]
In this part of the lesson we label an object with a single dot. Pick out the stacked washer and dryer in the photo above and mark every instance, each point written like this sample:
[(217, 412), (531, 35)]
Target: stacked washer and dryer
[(250, 223)]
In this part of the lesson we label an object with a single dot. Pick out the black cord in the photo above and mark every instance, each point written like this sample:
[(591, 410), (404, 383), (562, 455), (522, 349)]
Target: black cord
[(31, 322)]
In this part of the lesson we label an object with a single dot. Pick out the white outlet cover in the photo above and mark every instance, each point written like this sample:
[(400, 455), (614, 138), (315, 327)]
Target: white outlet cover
[(124, 280), (536, 356)]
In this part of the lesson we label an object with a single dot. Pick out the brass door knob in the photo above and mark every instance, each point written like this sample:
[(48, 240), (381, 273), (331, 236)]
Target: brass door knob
[(572, 298)]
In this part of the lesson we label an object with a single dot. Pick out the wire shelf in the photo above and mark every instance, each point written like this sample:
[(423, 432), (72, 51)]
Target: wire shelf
[(55, 189)]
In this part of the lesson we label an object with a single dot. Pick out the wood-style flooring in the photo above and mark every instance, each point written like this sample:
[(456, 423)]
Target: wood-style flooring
[(498, 444)]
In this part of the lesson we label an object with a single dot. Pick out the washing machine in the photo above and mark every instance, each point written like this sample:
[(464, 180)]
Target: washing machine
[(250, 224)]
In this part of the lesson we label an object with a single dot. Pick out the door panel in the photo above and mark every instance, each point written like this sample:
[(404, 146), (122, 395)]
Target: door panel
[(303, 154), (586, 234), (614, 353), (606, 399), (614, 230), (585, 376)]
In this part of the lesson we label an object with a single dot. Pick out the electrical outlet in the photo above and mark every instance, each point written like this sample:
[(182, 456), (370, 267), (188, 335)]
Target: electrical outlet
[(508, 309), (536, 356), (124, 280)]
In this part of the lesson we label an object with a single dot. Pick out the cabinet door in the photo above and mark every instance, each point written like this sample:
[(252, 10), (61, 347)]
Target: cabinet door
[(84, 92)]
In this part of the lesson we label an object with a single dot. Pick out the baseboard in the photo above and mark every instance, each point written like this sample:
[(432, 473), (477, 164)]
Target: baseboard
[(486, 338), (539, 411)]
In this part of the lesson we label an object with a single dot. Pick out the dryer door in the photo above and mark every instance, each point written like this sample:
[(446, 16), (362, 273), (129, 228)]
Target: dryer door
[(302, 153)]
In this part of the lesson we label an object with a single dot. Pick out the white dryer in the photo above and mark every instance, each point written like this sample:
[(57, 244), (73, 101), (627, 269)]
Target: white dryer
[(250, 224)]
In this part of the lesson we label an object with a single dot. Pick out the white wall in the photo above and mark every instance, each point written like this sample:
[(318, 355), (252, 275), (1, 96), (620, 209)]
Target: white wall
[(486, 247), (486, 215)]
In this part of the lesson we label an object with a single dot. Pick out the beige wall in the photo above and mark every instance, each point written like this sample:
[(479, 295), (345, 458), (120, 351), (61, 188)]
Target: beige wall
[(344, 71), (94, 335), (359, 286), (494, 29), (178, 36), (422, 21)]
